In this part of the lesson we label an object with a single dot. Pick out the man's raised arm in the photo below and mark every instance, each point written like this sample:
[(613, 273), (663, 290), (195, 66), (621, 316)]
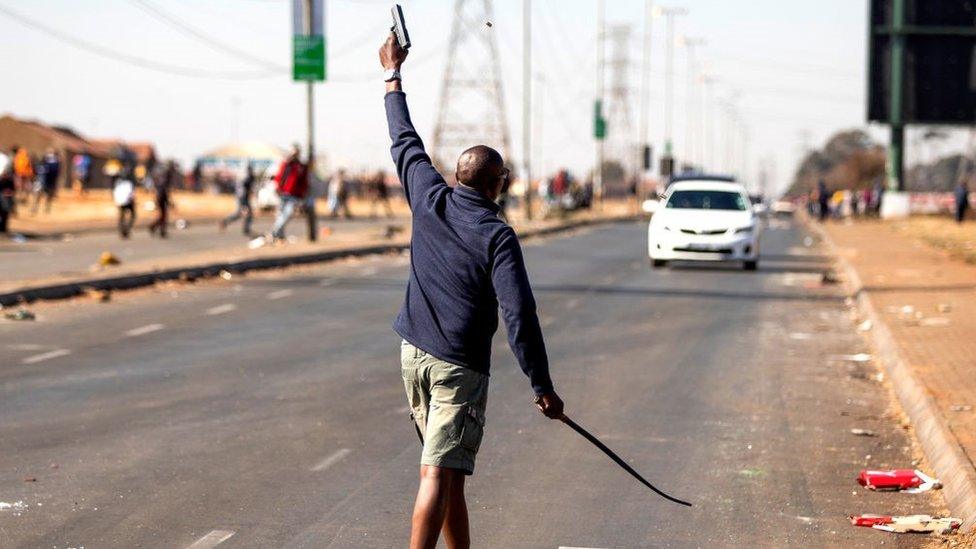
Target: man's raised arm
[(414, 167)]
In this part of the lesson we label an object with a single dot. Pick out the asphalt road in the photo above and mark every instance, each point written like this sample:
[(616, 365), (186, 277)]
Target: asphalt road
[(26, 261), (268, 411)]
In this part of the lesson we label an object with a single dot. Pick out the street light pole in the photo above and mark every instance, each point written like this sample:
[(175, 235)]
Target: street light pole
[(645, 102), (670, 14), (601, 12), (527, 106), (690, 44)]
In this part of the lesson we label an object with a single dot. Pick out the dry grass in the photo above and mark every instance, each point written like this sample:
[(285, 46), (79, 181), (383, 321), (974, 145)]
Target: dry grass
[(959, 240)]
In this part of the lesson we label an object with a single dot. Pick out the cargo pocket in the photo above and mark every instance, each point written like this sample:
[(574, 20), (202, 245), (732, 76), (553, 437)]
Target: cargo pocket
[(472, 429)]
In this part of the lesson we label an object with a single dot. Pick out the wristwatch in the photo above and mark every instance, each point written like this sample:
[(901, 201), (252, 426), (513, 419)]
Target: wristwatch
[(389, 75)]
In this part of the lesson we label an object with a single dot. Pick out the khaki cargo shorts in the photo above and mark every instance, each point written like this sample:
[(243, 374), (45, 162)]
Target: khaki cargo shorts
[(447, 404)]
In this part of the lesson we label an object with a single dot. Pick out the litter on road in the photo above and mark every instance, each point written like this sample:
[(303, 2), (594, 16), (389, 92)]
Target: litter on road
[(107, 259), (909, 524), (20, 314), (910, 481), (960, 408), (860, 357), (863, 433)]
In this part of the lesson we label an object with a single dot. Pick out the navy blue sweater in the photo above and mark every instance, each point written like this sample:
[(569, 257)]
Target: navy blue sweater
[(464, 263)]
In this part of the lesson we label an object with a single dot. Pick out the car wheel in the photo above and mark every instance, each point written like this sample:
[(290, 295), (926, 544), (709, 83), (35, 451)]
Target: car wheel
[(658, 263), (750, 265)]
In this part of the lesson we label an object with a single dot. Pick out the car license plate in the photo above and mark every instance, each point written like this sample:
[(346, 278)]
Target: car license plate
[(702, 247)]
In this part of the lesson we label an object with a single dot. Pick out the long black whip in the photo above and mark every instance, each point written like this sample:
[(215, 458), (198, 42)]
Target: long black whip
[(596, 442)]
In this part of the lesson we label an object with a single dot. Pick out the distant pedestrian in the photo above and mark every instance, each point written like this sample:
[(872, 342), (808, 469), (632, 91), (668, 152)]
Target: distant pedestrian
[(292, 180), (962, 201), (339, 195), (124, 196), (162, 200), (82, 171), (243, 193), (823, 200), (47, 187), (23, 171), (877, 197), (7, 191), (379, 195)]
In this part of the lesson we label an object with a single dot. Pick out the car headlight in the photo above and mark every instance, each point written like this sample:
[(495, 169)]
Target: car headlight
[(748, 229)]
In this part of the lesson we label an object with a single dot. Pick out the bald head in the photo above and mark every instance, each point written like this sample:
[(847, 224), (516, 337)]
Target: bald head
[(482, 169)]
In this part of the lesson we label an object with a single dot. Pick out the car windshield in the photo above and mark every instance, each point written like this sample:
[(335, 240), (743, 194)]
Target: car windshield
[(706, 200)]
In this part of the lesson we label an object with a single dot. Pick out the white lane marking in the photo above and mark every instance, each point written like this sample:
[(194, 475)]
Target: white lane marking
[(327, 282), (46, 356), (212, 539), (332, 459), (280, 294), (143, 330), (221, 309), (370, 271)]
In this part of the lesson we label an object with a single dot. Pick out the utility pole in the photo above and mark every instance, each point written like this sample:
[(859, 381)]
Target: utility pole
[(310, 92), (690, 44), (601, 14), (620, 135), (896, 149), (670, 14), (644, 140), (527, 106), (708, 125)]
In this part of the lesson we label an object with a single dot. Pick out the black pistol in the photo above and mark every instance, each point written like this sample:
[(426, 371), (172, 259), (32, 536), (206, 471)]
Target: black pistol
[(399, 27)]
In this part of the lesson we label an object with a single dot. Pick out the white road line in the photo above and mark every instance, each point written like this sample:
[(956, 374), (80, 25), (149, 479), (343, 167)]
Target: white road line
[(280, 294), (46, 356), (332, 460), (327, 282), (143, 330), (221, 309), (212, 539), (370, 271)]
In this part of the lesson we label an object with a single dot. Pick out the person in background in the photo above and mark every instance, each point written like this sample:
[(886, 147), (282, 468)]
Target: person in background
[(243, 191), (7, 191), (124, 196), (292, 180), (82, 171), (877, 197), (163, 202), (379, 195), (962, 201), (339, 195), (50, 171), (823, 200), (23, 172)]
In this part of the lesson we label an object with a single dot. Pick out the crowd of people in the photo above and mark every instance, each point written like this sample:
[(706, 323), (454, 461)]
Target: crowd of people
[(824, 203)]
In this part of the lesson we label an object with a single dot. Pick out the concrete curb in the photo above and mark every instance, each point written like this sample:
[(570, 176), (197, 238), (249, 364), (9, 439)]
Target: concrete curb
[(138, 280), (952, 466)]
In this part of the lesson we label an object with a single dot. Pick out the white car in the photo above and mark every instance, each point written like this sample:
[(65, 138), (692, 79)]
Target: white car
[(704, 220)]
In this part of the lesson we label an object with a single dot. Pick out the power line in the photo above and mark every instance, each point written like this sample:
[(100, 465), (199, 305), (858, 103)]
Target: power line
[(203, 37), (141, 62)]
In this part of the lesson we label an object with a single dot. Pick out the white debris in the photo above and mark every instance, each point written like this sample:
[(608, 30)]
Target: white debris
[(934, 321), (16, 507), (865, 326), (859, 357)]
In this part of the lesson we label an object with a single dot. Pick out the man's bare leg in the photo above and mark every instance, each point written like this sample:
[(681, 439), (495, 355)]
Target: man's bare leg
[(440, 504), (456, 532)]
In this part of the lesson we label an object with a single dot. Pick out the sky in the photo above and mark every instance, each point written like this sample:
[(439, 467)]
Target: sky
[(789, 72)]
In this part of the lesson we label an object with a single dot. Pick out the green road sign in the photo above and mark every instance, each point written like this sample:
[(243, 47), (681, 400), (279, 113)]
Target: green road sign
[(309, 58), (599, 122)]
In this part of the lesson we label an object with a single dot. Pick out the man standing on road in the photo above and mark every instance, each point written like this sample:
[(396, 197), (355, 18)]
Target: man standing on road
[(292, 181), (48, 182), (464, 263), (243, 191)]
